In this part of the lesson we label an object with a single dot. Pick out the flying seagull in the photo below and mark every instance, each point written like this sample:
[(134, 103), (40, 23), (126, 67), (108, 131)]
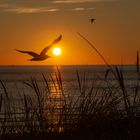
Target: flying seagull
[(42, 56), (92, 20)]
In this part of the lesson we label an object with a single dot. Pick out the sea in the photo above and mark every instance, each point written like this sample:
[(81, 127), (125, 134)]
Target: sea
[(11, 75), (16, 77)]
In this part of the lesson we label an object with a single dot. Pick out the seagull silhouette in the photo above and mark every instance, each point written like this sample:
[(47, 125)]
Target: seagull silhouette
[(42, 56), (92, 20)]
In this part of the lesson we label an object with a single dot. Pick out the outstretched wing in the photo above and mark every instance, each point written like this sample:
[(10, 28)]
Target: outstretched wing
[(56, 40), (28, 52), (43, 52)]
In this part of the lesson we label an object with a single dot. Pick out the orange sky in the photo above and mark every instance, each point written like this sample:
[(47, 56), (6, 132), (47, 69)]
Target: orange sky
[(35, 24)]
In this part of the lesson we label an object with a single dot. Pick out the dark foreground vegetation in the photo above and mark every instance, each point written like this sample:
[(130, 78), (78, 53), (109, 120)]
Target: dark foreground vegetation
[(111, 113)]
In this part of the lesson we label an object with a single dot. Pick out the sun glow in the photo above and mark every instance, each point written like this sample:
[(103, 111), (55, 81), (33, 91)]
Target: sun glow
[(56, 51)]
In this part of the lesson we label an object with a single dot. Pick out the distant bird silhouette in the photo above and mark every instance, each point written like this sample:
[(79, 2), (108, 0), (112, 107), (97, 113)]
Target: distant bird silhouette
[(92, 20), (42, 56)]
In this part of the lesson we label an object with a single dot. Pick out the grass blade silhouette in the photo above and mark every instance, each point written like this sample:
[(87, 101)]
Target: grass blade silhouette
[(5, 90), (93, 47), (137, 63)]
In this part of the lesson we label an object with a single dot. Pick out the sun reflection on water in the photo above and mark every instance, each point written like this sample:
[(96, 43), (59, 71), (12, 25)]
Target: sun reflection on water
[(53, 109)]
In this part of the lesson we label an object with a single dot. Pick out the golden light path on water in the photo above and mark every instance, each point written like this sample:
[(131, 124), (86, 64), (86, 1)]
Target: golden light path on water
[(53, 106)]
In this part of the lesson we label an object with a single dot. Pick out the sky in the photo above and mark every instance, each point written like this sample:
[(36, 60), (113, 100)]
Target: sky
[(33, 24)]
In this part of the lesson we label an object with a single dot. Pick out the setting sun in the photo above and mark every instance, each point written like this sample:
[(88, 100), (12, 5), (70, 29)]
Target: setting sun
[(56, 51)]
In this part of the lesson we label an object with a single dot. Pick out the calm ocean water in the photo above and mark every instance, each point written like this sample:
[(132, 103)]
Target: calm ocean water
[(14, 77), (18, 74)]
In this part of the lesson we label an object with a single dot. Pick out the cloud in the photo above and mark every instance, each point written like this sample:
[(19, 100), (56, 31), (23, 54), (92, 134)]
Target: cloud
[(52, 10), (82, 9), (26, 10), (30, 10), (42, 6), (79, 1), (78, 9)]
